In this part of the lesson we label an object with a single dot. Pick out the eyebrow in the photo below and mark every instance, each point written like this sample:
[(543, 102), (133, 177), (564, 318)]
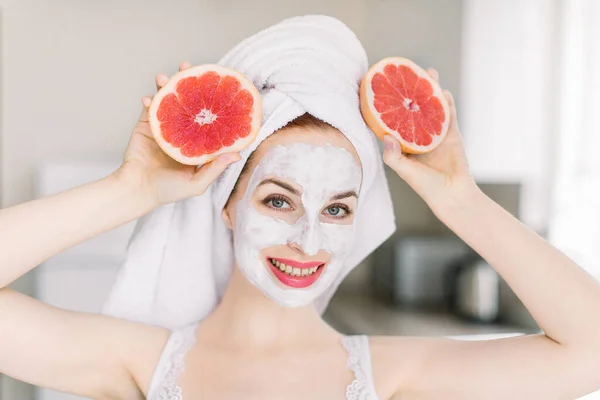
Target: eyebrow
[(281, 184), (344, 195), (291, 189)]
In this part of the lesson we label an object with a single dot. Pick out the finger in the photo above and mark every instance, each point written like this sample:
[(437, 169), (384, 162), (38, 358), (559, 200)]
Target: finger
[(449, 98), (161, 80), (146, 101), (185, 65), (407, 168), (452, 107), (207, 173), (434, 74)]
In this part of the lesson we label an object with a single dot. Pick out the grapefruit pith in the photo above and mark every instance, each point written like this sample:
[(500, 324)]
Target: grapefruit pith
[(399, 98), (205, 111)]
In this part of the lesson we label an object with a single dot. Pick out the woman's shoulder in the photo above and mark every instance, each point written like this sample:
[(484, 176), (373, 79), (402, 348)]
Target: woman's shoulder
[(141, 346), (396, 360), (405, 351), (170, 363)]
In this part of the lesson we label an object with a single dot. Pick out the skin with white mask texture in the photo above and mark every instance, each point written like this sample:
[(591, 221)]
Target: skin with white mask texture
[(318, 173)]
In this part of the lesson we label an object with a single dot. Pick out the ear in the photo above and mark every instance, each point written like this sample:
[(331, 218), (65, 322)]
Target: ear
[(226, 217)]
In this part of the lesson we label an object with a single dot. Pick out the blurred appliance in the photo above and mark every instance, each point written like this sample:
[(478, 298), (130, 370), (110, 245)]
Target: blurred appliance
[(411, 271), (473, 289)]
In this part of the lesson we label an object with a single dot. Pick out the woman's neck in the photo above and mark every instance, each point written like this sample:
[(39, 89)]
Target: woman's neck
[(246, 317)]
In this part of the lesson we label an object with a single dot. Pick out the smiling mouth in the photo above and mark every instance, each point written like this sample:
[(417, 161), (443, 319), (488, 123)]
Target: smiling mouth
[(295, 274)]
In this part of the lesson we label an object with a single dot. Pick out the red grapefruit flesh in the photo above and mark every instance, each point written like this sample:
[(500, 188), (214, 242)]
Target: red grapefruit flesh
[(399, 98), (205, 111)]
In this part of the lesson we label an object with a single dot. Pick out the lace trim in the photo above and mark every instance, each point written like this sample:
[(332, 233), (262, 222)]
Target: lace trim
[(183, 342), (359, 388)]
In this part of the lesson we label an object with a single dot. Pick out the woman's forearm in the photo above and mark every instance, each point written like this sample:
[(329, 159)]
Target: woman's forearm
[(32, 232), (562, 298)]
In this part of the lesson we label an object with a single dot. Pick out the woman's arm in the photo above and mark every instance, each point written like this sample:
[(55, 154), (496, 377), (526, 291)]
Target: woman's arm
[(47, 346), (564, 300), (91, 355), (32, 232)]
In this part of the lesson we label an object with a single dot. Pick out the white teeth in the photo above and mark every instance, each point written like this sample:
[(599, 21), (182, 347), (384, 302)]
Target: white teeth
[(289, 270)]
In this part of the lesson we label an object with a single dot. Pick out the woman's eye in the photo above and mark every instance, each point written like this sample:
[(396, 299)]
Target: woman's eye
[(278, 203), (335, 211)]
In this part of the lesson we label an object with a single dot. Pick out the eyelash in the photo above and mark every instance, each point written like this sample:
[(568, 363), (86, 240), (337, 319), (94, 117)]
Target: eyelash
[(278, 197), (347, 211)]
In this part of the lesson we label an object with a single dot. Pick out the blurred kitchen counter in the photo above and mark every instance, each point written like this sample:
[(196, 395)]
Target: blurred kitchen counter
[(359, 313)]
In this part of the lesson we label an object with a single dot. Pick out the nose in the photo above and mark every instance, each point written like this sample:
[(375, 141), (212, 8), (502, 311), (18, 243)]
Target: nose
[(311, 239)]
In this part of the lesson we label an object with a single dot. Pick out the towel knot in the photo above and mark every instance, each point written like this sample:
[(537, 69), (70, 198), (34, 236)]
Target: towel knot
[(314, 54)]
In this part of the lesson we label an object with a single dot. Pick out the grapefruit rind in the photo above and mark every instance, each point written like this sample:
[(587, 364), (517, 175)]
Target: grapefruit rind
[(373, 119), (238, 145)]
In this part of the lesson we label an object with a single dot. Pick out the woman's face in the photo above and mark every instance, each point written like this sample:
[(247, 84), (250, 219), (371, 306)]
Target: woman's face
[(293, 214)]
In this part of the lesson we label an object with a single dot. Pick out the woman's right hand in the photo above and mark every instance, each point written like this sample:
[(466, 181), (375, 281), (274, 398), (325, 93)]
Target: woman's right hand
[(150, 170), (441, 177)]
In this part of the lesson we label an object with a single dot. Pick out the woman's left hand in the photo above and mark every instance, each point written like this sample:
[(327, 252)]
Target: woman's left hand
[(441, 176), (159, 178)]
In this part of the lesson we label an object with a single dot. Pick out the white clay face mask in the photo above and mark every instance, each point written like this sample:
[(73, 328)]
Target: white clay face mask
[(321, 172)]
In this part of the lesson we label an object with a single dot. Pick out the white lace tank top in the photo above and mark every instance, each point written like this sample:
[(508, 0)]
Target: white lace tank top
[(163, 385)]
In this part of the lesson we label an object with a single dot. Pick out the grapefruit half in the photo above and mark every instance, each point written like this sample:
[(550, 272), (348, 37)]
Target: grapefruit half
[(205, 111), (399, 98)]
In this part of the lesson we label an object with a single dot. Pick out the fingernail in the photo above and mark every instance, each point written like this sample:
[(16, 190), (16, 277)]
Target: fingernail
[(391, 143)]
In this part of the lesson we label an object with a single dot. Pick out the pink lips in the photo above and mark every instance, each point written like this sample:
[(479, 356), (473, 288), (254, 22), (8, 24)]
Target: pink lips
[(298, 282)]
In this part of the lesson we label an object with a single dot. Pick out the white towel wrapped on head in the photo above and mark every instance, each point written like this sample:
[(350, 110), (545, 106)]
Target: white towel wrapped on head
[(180, 256)]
